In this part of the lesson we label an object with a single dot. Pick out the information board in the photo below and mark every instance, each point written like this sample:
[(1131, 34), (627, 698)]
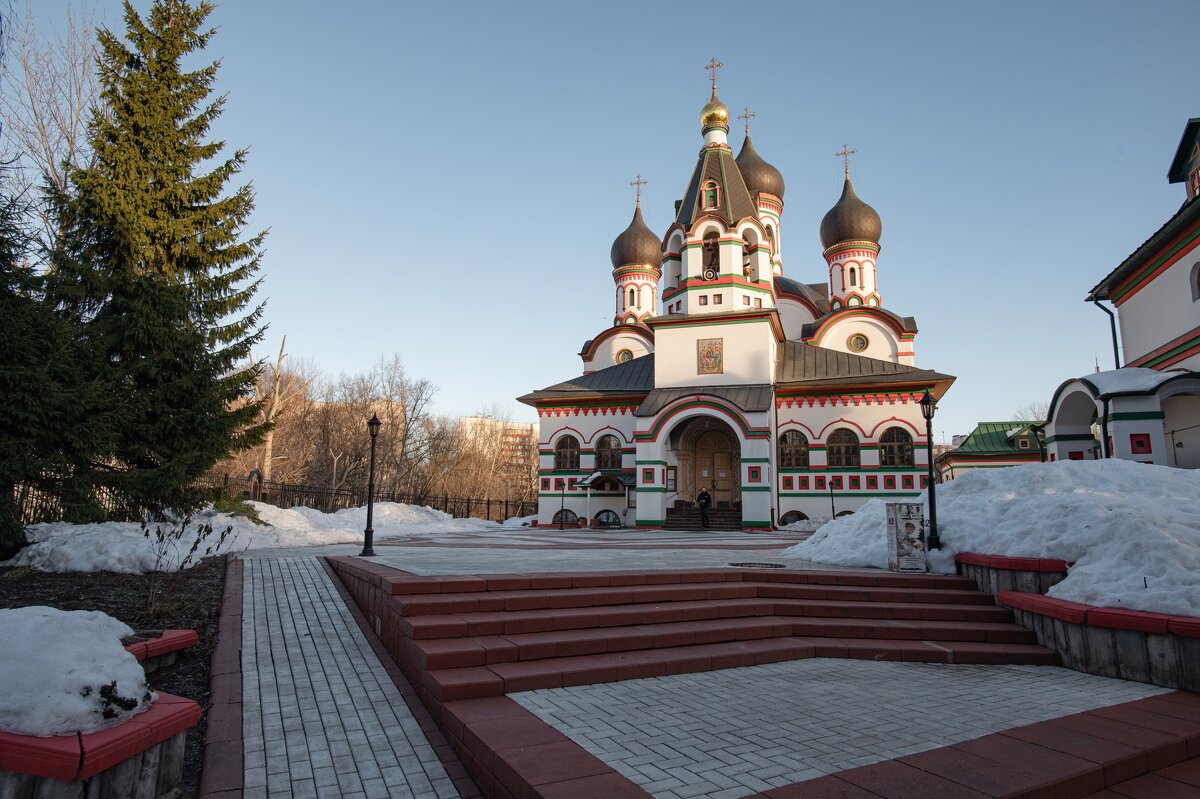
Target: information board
[(906, 537)]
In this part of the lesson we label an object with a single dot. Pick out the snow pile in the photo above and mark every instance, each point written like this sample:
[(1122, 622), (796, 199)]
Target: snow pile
[(123, 547), (66, 672), (1131, 530), (1130, 378), (520, 521)]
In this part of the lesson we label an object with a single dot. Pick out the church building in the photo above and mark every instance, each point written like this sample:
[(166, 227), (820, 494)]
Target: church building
[(786, 400)]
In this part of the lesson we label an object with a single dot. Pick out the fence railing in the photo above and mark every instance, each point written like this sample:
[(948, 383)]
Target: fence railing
[(35, 506), (328, 499)]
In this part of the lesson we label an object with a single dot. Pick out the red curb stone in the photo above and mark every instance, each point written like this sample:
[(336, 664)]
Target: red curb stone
[(224, 769), (525, 767), (227, 685), (489, 740), (171, 641), (1120, 619), (224, 722), (57, 758), (1161, 749), (1033, 766), (895, 780), (1187, 626), (1187, 772), (450, 653), (1188, 731), (599, 786), (830, 787), (1154, 786), (497, 649), (446, 685), (1180, 704), (1120, 762), (535, 646)]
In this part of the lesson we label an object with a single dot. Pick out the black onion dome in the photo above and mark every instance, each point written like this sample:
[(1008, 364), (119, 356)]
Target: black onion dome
[(758, 174), (637, 245), (850, 219)]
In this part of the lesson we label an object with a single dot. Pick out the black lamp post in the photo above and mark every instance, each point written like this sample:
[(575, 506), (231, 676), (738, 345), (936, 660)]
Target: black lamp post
[(369, 534), (928, 407), (562, 510)]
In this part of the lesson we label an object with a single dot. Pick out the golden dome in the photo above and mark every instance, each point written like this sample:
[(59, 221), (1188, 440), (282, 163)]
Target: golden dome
[(715, 114)]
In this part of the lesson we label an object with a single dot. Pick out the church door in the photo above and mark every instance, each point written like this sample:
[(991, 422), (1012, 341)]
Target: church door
[(714, 467)]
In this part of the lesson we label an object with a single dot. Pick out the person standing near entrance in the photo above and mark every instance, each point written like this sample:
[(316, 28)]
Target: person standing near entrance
[(704, 500)]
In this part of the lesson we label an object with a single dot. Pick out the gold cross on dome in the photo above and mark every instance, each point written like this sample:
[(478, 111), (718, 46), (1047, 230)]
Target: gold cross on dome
[(845, 156), (747, 115), (713, 66), (637, 184)]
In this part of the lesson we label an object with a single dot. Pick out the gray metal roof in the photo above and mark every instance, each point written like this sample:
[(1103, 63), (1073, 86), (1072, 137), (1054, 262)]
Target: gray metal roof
[(748, 398), (816, 293), (632, 377), (1183, 218), (734, 201), (798, 362)]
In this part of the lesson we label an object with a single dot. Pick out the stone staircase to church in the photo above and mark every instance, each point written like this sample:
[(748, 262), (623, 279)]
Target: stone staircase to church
[(688, 518), (464, 637)]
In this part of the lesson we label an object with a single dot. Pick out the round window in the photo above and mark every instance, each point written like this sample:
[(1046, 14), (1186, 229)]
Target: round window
[(624, 356), (858, 342)]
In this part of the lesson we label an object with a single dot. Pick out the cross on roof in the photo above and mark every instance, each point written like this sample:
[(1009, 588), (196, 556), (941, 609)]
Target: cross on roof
[(845, 156), (747, 115), (713, 66), (637, 184)]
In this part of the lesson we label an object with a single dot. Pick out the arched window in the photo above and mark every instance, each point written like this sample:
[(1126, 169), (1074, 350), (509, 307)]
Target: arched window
[(842, 449), (1196, 281), (791, 517), (712, 194), (608, 453), (895, 448), (793, 450), (712, 251), (632, 298), (566, 454), (853, 276), (771, 238)]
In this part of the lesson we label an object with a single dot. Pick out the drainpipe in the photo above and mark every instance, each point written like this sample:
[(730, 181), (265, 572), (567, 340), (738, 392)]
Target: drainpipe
[(1112, 323), (1104, 431)]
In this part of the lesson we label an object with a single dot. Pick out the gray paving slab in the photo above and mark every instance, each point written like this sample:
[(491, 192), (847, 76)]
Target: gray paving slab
[(762, 727), (320, 715)]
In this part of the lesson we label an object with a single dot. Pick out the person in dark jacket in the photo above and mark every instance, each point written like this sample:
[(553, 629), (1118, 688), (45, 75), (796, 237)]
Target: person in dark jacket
[(704, 501)]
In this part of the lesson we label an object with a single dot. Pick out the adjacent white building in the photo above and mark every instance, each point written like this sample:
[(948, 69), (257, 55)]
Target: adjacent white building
[(1148, 411)]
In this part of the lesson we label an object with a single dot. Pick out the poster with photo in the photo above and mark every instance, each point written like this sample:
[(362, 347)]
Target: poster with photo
[(906, 537)]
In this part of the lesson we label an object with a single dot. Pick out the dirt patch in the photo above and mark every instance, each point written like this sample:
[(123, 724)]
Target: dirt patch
[(189, 600)]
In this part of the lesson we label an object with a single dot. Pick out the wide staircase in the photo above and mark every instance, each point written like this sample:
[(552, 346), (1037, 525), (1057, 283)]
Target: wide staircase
[(475, 636), (688, 518)]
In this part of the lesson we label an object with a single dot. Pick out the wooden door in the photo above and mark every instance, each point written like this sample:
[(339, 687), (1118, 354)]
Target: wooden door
[(714, 467)]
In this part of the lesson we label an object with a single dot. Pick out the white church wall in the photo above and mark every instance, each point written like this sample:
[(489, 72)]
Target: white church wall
[(1181, 423), (868, 416), (559, 488), (748, 353), (605, 353), (794, 317), (1161, 311), (882, 342)]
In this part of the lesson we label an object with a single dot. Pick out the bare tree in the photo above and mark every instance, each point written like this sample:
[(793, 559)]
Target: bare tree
[(1036, 411), (47, 98), (279, 391)]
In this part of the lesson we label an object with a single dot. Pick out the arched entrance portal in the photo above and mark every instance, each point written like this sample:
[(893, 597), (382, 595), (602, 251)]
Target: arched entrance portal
[(709, 456)]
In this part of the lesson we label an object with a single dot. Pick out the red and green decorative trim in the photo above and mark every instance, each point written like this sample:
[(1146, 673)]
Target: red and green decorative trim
[(1172, 352), (860, 310), (844, 247), (748, 431), (697, 284), (1170, 255), (616, 330), (821, 400)]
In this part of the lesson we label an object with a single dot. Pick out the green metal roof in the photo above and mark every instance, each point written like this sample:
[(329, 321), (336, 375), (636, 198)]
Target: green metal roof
[(990, 438)]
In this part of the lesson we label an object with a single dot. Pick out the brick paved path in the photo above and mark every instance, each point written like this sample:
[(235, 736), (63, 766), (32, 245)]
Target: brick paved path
[(726, 734), (320, 715)]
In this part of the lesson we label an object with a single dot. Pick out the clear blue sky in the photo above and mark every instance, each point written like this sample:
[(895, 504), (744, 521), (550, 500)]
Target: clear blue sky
[(444, 180)]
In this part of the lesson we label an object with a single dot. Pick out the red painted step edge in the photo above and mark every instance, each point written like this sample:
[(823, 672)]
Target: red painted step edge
[(169, 641), (1112, 618), (1013, 564), (80, 756)]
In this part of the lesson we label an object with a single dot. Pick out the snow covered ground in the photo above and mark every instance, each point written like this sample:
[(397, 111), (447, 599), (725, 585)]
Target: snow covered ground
[(122, 546), (1131, 530), (66, 672)]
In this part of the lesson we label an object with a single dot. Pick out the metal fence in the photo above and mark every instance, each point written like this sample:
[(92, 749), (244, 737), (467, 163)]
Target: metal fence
[(328, 499), (35, 506)]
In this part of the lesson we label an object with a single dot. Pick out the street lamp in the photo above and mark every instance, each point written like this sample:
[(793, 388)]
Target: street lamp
[(369, 534), (928, 407)]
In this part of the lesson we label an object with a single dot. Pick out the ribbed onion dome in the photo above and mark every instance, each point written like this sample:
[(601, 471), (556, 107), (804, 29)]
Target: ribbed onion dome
[(758, 174), (850, 219), (637, 245), (715, 114)]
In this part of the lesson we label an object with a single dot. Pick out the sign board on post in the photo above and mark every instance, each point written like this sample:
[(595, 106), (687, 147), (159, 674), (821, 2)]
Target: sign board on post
[(906, 536)]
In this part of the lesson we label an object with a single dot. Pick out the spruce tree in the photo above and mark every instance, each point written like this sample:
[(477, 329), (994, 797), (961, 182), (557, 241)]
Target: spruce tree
[(154, 265)]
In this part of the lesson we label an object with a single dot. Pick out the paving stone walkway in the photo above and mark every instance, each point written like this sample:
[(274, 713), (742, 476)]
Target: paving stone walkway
[(726, 734), (321, 717)]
